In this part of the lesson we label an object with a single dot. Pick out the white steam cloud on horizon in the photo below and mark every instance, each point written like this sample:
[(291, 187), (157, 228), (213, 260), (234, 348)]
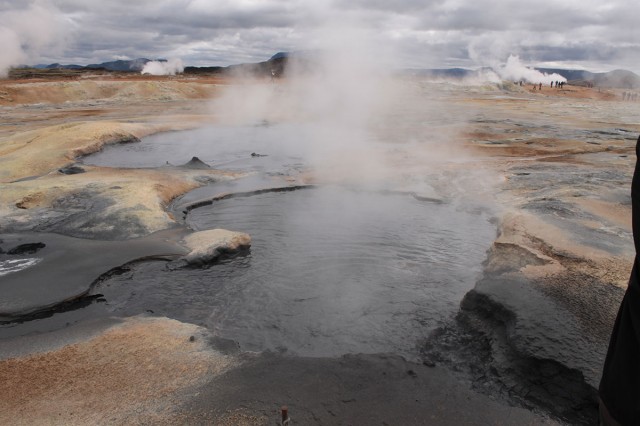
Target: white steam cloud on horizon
[(27, 33), (515, 70), (171, 66)]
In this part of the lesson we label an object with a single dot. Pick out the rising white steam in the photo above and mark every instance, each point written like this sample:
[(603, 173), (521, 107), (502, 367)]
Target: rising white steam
[(170, 67), (515, 70), (336, 89), (27, 33)]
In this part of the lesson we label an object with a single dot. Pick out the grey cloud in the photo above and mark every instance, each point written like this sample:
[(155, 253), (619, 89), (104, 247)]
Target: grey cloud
[(428, 32), (397, 6)]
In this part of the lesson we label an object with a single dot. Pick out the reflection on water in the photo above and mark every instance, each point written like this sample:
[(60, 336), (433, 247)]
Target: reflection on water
[(8, 266), (330, 271)]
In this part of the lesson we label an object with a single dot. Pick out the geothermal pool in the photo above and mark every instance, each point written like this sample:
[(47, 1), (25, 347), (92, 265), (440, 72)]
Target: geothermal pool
[(330, 271)]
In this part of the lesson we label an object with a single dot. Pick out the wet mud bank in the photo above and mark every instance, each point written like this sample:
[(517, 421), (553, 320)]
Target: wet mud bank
[(483, 346), (352, 389), (59, 271), (535, 328)]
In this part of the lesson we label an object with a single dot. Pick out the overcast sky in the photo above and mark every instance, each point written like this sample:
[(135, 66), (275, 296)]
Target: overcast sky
[(593, 34)]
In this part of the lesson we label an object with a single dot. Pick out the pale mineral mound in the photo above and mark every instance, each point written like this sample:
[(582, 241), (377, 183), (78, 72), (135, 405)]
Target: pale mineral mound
[(208, 246)]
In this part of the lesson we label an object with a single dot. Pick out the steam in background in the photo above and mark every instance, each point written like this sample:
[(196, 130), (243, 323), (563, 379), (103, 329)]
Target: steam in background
[(489, 51), (27, 33), (169, 67), (515, 70)]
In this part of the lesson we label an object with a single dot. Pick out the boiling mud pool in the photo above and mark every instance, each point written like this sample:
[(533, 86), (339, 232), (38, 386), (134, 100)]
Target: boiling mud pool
[(330, 271)]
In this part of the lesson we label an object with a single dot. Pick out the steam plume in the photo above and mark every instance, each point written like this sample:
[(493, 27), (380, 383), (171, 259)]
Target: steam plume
[(170, 67), (515, 70), (337, 90), (27, 33)]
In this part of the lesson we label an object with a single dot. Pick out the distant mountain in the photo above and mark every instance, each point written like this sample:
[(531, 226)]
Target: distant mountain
[(63, 67), (307, 61), (279, 55), (273, 67), (448, 73), (619, 78), (134, 65)]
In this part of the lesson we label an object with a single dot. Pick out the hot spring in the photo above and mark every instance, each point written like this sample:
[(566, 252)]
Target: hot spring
[(331, 270)]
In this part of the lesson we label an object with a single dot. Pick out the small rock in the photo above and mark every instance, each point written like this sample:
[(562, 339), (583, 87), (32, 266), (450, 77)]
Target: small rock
[(192, 338), (72, 170), (412, 373)]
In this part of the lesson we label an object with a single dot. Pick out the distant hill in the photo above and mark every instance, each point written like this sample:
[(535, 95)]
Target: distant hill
[(134, 65), (57, 66), (446, 73), (274, 66), (279, 55), (622, 79), (277, 66)]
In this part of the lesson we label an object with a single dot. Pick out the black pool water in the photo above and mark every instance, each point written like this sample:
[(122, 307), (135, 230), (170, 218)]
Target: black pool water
[(330, 271)]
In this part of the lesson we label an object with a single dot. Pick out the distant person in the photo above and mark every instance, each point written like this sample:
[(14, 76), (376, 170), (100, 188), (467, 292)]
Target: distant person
[(540, 86), (620, 384)]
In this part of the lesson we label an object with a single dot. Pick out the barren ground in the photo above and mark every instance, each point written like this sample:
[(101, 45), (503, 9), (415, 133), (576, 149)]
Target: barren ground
[(564, 159)]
